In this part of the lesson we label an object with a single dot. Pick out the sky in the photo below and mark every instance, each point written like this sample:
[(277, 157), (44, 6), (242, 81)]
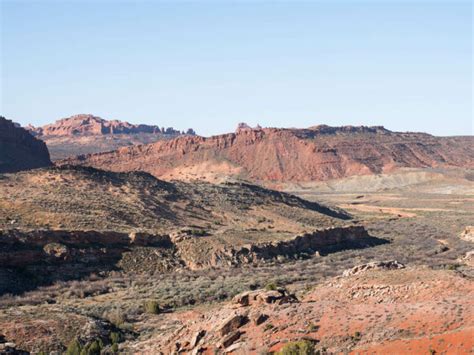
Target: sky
[(212, 64)]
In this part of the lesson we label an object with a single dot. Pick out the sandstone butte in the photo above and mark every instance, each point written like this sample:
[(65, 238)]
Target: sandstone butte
[(86, 124), (274, 155), (19, 150)]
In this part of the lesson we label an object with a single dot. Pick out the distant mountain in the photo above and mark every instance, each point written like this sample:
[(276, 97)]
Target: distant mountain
[(19, 150), (274, 155), (84, 133)]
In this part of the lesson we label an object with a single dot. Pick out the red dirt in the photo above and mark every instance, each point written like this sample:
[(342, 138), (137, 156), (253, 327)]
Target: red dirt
[(411, 310)]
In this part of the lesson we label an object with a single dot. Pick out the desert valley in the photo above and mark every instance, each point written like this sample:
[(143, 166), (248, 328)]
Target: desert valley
[(136, 239)]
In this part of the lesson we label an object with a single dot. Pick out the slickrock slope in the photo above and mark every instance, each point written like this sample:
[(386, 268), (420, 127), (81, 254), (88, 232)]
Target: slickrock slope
[(85, 133), (272, 155), (412, 310), (19, 150)]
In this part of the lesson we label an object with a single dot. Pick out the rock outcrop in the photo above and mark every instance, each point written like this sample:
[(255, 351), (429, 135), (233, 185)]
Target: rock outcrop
[(273, 156), (278, 296), (22, 248), (84, 134), (38, 257), (86, 250), (10, 348), (468, 234), (85, 124), (300, 246), (375, 265), (339, 315), (19, 150), (52, 255)]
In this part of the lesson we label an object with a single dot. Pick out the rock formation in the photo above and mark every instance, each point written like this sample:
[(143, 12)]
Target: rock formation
[(85, 124), (19, 150), (77, 253), (83, 134), (300, 246), (376, 265), (272, 155)]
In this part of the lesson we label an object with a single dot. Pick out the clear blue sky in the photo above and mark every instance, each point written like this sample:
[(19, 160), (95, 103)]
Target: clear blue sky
[(209, 65)]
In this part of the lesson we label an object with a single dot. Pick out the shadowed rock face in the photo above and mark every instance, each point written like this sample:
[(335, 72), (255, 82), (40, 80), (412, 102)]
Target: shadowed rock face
[(19, 150), (272, 155), (317, 242), (37, 257), (43, 256)]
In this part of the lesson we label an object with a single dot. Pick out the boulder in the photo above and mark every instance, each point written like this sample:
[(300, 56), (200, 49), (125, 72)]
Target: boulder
[(376, 265), (230, 339), (468, 258), (258, 318), (234, 347), (231, 324), (242, 299), (56, 250), (468, 234), (279, 296), (197, 337), (269, 296)]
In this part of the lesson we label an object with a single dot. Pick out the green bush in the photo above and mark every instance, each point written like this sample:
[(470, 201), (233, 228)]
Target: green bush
[(357, 336), (74, 348), (268, 326), (271, 286), (152, 307), (302, 347), (93, 348), (115, 337)]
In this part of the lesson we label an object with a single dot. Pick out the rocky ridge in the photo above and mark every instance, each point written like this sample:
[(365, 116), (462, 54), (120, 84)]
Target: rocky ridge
[(85, 134), (275, 156), (79, 253), (81, 198), (86, 124)]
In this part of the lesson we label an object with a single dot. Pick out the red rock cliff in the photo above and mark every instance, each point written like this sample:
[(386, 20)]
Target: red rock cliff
[(284, 155), (19, 150), (85, 124)]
